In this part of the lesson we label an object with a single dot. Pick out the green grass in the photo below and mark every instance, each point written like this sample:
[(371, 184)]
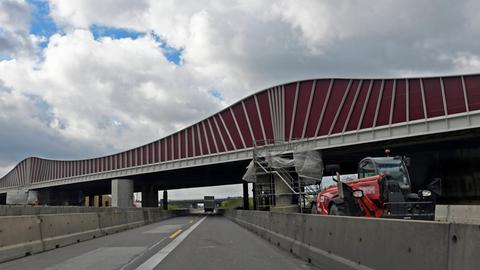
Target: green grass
[(236, 203), (172, 207)]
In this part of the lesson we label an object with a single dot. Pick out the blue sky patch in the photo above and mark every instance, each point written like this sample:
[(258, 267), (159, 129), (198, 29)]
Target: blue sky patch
[(42, 24), (216, 94), (172, 54), (100, 31), (4, 57)]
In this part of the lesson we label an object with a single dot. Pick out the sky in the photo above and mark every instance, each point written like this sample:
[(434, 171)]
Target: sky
[(84, 78)]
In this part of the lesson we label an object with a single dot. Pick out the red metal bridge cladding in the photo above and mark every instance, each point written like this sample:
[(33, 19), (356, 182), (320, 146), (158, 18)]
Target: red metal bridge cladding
[(297, 110)]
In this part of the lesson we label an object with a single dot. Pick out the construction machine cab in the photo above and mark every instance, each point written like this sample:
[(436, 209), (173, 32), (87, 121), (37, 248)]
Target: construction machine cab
[(393, 168)]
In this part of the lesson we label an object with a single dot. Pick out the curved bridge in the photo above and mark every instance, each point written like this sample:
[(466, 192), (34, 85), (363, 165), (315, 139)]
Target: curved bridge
[(320, 113)]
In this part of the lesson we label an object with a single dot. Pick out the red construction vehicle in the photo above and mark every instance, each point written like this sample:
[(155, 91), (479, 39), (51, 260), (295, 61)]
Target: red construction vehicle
[(382, 190)]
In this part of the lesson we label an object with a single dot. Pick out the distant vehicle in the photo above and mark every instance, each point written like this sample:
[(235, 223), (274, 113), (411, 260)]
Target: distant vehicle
[(209, 204), (382, 190)]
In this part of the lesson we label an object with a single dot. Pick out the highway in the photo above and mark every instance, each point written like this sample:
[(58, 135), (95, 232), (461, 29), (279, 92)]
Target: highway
[(188, 242)]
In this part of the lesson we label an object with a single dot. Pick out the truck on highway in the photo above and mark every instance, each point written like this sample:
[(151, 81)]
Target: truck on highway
[(209, 204), (383, 189)]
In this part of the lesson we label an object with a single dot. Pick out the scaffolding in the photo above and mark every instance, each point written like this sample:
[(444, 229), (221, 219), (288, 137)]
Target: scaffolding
[(279, 162)]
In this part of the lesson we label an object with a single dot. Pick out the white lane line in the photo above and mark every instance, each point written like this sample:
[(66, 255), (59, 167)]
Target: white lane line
[(165, 228), (163, 253), (141, 254)]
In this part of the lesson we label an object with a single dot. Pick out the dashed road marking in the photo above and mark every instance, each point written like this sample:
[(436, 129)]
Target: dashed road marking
[(173, 235)]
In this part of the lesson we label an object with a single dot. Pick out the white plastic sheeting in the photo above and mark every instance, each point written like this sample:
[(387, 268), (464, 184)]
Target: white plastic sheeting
[(22, 196), (250, 175), (308, 165)]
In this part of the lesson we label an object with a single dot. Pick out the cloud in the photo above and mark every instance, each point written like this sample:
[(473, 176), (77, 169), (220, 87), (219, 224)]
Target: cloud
[(108, 91), (15, 39)]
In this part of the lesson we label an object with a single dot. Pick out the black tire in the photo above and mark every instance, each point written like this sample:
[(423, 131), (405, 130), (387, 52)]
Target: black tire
[(336, 210), (314, 208)]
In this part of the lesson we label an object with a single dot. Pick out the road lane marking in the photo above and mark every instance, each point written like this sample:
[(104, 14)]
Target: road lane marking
[(165, 228), (143, 253), (163, 253), (191, 221), (175, 233)]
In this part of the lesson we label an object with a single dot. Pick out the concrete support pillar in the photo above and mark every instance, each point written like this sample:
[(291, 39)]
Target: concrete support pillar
[(165, 200), (149, 196), (283, 197), (96, 201), (254, 192), (245, 196), (122, 193)]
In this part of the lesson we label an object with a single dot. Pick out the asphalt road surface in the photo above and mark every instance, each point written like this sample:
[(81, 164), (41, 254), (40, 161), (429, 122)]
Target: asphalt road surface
[(191, 242)]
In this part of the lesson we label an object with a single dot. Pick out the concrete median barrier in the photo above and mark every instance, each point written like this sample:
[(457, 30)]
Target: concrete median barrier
[(365, 243), (23, 235), (19, 236), (135, 219), (469, 214), (61, 230), (113, 222)]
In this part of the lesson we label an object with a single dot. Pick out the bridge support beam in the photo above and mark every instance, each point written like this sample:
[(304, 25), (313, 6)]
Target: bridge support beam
[(149, 196), (165, 200), (122, 193), (245, 196)]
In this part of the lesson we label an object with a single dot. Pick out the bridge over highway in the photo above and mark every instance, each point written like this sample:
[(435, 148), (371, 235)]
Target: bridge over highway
[(435, 120)]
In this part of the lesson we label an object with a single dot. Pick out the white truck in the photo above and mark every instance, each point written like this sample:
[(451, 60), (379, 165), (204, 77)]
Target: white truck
[(209, 203)]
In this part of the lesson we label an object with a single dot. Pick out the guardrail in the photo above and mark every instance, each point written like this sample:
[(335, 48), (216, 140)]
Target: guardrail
[(333, 242), (23, 235)]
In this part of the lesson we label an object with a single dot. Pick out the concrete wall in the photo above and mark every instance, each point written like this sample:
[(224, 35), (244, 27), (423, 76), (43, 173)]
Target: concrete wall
[(469, 214), (365, 243), (15, 210), (23, 235)]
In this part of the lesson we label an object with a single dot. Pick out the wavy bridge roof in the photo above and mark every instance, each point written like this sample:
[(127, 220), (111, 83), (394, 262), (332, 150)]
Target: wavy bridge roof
[(326, 112)]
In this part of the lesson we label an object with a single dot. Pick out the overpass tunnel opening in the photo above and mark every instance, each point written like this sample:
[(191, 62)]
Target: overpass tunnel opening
[(3, 198)]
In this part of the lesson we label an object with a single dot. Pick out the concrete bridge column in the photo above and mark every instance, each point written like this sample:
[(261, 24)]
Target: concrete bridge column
[(149, 196), (283, 197), (254, 192), (165, 200), (245, 196), (89, 199), (122, 193)]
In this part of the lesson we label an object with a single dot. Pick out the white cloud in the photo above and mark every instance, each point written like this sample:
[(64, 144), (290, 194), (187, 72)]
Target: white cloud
[(111, 93), (15, 39)]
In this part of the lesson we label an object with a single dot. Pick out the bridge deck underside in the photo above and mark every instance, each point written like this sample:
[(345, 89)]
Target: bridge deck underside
[(452, 158)]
